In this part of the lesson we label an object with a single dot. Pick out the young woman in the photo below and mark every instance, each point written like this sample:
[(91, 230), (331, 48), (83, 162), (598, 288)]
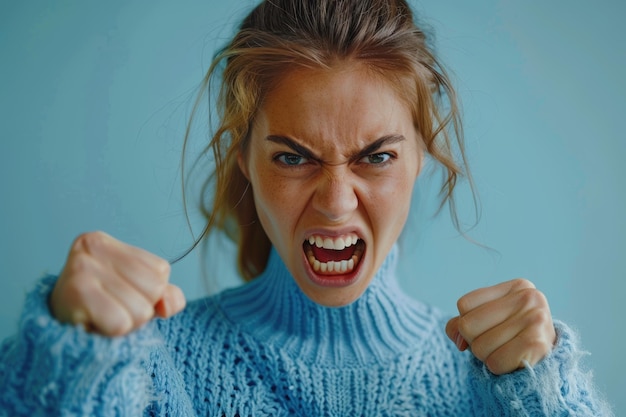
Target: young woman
[(328, 109)]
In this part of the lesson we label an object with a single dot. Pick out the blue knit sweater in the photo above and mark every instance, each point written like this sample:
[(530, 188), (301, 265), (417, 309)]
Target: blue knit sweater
[(264, 349)]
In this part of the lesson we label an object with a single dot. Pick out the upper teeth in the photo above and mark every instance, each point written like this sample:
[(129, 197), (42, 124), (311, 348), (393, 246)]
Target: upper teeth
[(338, 243)]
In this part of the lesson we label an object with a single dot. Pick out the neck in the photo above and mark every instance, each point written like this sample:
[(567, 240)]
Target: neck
[(379, 325)]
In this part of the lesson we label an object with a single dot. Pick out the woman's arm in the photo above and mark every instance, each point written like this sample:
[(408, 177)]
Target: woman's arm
[(50, 368), (556, 386), (523, 363)]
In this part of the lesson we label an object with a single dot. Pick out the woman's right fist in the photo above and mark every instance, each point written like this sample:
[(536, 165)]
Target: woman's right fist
[(113, 288)]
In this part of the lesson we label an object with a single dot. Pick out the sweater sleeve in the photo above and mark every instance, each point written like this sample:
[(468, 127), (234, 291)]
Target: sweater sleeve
[(49, 368), (556, 386)]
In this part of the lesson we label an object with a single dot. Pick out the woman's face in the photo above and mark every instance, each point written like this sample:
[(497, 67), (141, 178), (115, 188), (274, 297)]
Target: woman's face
[(332, 160)]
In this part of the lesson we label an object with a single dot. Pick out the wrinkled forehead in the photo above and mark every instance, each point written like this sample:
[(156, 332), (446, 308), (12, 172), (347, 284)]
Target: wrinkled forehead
[(346, 105)]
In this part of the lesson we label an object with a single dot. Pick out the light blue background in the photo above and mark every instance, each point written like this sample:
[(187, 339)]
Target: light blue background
[(94, 98)]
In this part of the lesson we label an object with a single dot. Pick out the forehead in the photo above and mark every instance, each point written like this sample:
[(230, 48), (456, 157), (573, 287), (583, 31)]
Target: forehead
[(346, 104)]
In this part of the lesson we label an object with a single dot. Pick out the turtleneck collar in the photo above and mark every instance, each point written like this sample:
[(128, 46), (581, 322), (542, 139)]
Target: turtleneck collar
[(378, 326)]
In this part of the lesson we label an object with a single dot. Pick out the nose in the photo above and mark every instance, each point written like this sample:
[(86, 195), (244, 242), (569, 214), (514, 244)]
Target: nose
[(335, 195)]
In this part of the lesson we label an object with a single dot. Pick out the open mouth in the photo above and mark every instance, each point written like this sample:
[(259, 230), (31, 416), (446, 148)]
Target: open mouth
[(334, 255)]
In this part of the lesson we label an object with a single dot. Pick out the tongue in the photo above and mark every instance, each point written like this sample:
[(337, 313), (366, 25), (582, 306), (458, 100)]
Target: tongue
[(325, 255)]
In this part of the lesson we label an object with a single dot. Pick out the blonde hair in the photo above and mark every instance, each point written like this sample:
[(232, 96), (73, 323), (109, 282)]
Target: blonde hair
[(280, 35)]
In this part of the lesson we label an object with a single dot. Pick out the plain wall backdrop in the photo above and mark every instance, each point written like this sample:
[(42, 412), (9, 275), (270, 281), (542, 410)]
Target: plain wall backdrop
[(94, 97)]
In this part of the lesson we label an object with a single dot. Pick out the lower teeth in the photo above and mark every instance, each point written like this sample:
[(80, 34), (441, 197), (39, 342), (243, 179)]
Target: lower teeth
[(339, 267), (333, 266)]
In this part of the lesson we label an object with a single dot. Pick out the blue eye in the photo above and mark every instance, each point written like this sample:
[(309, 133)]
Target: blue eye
[(376, 158), (291, 159)]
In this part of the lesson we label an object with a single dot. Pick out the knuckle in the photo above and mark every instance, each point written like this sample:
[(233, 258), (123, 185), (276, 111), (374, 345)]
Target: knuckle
[(154, 292), (463, 305), (79, 242), (537, 347), (480, 350), (519, 284), (117, 324), (541, 299), (495, 365), (536, 341), (531, 297), (145, 313), (80, 268), (464, 325), (527, 296), (78, 265), (81, 289), (89, 242), (538, 317), (159, 287), (163, 268)]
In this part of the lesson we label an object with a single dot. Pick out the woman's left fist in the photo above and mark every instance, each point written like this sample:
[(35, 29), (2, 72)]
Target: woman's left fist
[(504, 326)]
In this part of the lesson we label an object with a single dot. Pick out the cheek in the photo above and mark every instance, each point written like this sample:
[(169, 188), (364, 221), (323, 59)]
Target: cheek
[(275, 203), (392, 201)]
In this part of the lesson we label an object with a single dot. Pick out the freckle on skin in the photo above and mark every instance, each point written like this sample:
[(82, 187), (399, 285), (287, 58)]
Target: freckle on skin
[(363, 110)]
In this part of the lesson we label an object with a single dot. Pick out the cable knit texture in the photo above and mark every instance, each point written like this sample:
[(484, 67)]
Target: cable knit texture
[(265, 349)]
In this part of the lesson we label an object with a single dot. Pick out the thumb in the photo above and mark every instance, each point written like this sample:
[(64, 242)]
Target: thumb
[(452, 330), (171, 302)]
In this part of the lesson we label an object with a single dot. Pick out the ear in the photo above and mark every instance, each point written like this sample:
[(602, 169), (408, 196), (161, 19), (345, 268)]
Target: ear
[(241, 161)]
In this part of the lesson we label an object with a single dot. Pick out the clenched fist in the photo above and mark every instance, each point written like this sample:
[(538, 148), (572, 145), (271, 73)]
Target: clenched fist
[(113, 288), (504, 326)]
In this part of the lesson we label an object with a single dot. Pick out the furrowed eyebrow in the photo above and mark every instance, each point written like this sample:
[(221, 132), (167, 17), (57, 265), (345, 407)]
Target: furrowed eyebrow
[(296, 147), (307, 153), (376, 145)]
